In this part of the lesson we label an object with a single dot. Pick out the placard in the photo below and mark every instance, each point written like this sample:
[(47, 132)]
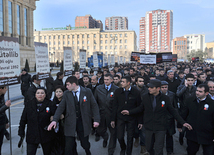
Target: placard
[(68, 63), (9, 61), (42, 60), (147, 59), (95, 60), (135, 56), (82, 59), (112, 60)]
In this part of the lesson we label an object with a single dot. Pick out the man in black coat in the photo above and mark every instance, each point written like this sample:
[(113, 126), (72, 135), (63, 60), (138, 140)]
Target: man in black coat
[(50, 86), (127, 97), (25, 81), (59, 79), (104, 96), (199, 113), (3, 118), (162, 75), (80, 106), (32, 90), (143, 74), (154, 109), (173, 82), (170, 119)]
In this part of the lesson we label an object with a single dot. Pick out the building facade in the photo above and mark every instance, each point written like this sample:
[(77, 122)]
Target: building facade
[(116, 23), (118, 43), (88, 22), (16, 20), (209, 49), (179, 47), (195, 42), (156, 31)]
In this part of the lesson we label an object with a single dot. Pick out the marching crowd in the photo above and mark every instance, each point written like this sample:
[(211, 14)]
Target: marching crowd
[(145, 102)]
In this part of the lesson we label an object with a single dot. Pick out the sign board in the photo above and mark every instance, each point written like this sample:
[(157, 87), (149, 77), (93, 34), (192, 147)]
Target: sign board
[(195, 59), (95, 60), (174, 58), (105, 60), (135, 56), (68, 64), (147, 59), (112, 60), (82, 59), (9, 61), (164, 57), (42, 60)]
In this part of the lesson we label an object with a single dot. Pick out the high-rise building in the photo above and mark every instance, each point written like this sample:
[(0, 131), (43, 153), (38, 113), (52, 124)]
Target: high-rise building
[(210, 50), (156, 31), (195, 42), (179, 47), (116, 23), (87, 21)]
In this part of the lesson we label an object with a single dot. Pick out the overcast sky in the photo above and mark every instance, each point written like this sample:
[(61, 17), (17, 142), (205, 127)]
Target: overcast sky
[(190, 16)]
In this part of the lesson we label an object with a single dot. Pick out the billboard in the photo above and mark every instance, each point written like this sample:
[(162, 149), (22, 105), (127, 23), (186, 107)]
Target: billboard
[(148, 59), (68, 63), (82, 59), (135, 56)]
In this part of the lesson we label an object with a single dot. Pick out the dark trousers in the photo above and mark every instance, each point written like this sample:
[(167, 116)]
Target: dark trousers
[(193, 147), (70, 143), (155, 142), (2, 131), (142, 137), (105, 122), (169, 142), (32, 148), (130, 126)]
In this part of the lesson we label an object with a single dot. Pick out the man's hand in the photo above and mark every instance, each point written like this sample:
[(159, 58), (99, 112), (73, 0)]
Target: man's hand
[(186, 83), (140, 126), (96, 124), (188, 126), (7, 126), (125, 112), (53, 124), (8, 103), (179, 130), (112, 124)]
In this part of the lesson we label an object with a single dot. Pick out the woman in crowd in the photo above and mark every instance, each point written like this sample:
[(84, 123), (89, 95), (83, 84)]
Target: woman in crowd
[(36, 115)]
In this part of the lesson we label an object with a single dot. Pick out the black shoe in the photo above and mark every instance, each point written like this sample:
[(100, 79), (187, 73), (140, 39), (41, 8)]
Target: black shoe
[(97, 138), (105, 143), (7, 136), (122, 152)]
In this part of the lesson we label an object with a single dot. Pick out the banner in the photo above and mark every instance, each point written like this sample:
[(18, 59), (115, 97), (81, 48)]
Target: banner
[(82, 59), (164, 57), (68, 63), (112, 60), (42, 60), (135, 56), (147, 59), (174, 58), (9, 61), (109, 59), (95, 59)]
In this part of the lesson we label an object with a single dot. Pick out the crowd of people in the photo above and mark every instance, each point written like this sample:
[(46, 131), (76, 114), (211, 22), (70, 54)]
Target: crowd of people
[(145, 102)]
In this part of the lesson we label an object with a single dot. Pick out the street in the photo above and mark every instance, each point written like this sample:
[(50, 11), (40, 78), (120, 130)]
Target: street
[(96, 147)]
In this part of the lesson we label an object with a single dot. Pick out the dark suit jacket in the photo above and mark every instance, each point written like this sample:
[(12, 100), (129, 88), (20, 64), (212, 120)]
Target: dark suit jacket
[(88, 109)]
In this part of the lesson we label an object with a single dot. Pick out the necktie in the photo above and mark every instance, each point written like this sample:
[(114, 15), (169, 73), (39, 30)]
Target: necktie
[(107, 88), (75, 97), (154, 103)]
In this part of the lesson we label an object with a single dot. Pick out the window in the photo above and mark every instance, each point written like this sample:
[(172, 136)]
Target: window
[(63, 43), (87, 35), (59, 48), (101, 36), (10, 17), (111, 35), (78, 48), (68, 42), (26, 25), (101, 47), (125, 47), (83, 36), (83, 47), (77, 42), (73, 36), (49, 37), (120, 35), (106, 47), (106, 41), (94, 35), (115, 41), (115, 47), (120, 46), (40, 38), (59, 42), (95, 47), (175, 42), (54, 48), (68, 36), (49, 43), (101, 41), (49, 48), (120, 40), (110, 41), (115, 35), (78, 36), (18, 19), (73, 42), (54, 37), (82, 42), (88, 42), (45, 37), (125, 40), (125, 34), (88, 47), (125, 52), (63, 36), (95, 42), (106, 36), (54, 43), (110, 47), (58, 37)]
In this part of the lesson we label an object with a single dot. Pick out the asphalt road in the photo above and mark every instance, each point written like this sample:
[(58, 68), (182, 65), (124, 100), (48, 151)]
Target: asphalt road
[(96, 147)]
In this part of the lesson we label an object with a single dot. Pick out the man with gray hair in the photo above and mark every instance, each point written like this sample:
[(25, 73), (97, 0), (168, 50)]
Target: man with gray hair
[(172, 81)]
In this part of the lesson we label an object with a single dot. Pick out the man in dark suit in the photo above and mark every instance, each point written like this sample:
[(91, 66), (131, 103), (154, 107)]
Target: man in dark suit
[(154, 108), (104, 96), (199, 112), (78, 102), (127, 97), (49, 86), (59, 79)]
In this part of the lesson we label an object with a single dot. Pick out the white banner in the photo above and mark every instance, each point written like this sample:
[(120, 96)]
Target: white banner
[(68, 63), (9, 61), (112, 60), (109, 59), (147, 59), (95, 59), (42, 60), (82, 59)]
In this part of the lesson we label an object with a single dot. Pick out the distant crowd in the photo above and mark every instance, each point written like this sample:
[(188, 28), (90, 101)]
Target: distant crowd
[(145, 102)]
